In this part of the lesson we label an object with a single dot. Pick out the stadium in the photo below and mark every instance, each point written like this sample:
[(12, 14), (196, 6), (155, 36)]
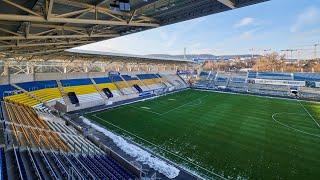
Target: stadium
[(70, 114)]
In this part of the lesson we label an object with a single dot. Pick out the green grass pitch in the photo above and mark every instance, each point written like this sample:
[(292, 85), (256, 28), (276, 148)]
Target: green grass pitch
[(236, 136)]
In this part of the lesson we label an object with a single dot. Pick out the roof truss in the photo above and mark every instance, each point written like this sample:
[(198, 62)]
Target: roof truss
[(70, 23)]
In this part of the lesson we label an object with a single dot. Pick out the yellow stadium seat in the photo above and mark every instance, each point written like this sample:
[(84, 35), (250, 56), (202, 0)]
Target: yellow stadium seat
[(79, 90), (111, 86), (22, 98), (121, 84), (133, 82), (47, 94)]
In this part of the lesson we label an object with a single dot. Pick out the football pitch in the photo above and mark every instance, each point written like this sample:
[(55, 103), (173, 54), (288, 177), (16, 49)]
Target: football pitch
[(235, 136)]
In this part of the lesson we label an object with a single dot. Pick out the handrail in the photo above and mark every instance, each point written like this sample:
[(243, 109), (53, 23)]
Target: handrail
[(47, 162), (22, 175), (34, 164)]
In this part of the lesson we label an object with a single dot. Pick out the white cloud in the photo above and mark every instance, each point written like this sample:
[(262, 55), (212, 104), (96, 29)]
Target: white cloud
[(307, 17), (247, 35), (244, 22)]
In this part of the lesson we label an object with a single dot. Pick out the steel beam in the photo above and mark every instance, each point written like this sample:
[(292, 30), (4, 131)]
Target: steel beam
[(44, 44), (228, 3), (23, 18), (4, 38), (50, 7), (21, 7)]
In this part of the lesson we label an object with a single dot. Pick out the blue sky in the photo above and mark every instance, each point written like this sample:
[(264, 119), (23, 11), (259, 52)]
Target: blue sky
[(276, 25)]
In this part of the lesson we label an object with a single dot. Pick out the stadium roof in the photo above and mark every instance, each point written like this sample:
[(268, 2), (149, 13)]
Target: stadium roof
[(111, 55), (49, 26)]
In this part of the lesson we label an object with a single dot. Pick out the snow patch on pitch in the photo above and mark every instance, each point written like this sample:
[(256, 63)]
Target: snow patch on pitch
[(138, 153)]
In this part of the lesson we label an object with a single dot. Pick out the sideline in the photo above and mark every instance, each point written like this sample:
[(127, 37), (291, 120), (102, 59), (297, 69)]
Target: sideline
[(305, 109), (172, 153), (254, 95)]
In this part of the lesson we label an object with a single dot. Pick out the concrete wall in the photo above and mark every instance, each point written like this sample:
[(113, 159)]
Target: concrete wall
[(21, 78), (58, 76)]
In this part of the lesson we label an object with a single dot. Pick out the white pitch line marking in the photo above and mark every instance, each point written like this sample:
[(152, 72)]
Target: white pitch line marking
[(184, 105), (146, 110), (285, 125), (309, 114), (170, 152)]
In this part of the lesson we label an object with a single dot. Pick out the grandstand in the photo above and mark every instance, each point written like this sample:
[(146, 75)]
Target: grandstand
[(266, 83), (43, 144)]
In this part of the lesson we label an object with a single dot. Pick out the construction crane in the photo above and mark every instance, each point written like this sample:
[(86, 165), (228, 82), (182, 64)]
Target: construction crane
[(315, 50), (289, 50)]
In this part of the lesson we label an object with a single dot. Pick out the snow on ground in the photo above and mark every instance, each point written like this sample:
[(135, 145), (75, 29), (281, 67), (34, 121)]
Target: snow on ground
[(138, 153)]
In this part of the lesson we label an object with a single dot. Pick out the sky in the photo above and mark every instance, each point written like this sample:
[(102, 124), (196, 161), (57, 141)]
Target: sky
[(274, 25)]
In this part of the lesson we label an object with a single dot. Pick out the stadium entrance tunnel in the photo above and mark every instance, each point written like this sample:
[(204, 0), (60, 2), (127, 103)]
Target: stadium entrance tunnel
[(107, 92), (138, 88), (73, 98)]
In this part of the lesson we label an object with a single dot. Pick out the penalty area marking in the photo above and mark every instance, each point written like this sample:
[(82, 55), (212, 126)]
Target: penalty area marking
[(309, 114), (170, 152), (197, 104), (186, 104), (147, 109), (290, 127)]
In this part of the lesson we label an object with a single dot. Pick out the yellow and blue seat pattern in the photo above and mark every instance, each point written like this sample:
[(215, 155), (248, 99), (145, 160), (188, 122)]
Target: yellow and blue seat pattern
[(48, 90), (44, 90)]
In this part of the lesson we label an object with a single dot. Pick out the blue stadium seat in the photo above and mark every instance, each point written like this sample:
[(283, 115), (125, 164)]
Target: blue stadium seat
[(103, 169), (20, 164), (102, 80), (220, 79), (5, 89), (59, 164), (238, 80), (92, 167), (36, 85), (147, 76), (109, 161), (3, 170), (75, 82), (115, 78), (81, 168), (306, 76), (252, 74), (128, 78), (203, 73), (36, 164), (273, 75)]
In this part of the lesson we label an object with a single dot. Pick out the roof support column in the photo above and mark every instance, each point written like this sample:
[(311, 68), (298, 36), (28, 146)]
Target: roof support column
[(5, 69)]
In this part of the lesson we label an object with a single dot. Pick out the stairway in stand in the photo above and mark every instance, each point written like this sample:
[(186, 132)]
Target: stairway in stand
[(99, 90), (166, 84), (128, 86), (63, 94), (143, 83)]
